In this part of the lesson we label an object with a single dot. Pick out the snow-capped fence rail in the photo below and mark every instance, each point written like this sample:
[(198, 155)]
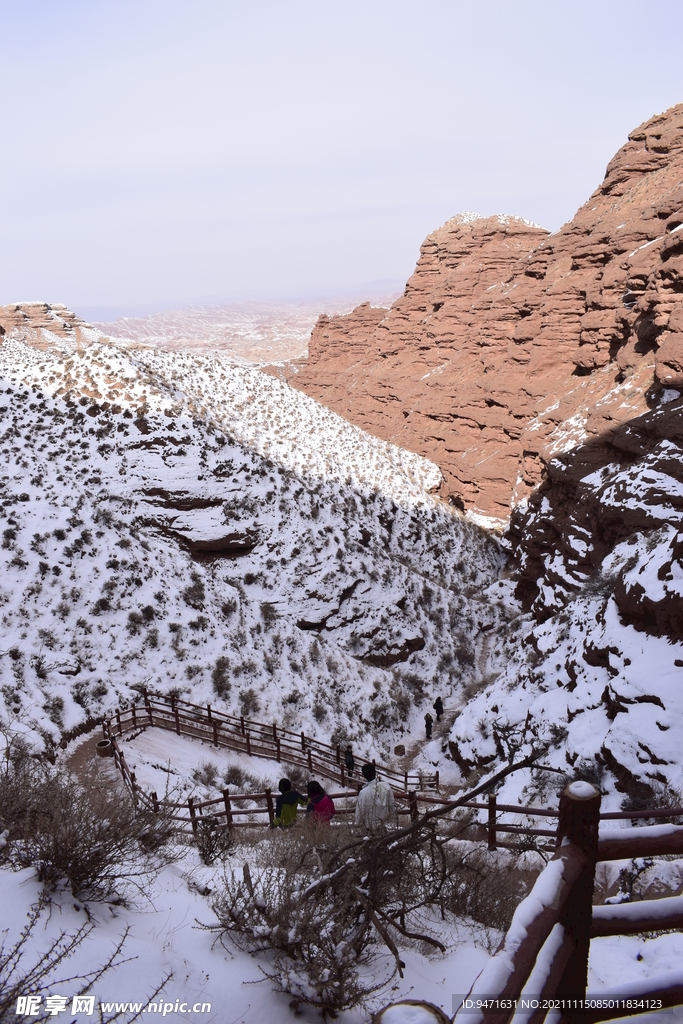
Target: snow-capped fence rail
[(543, 958), (256, 739)]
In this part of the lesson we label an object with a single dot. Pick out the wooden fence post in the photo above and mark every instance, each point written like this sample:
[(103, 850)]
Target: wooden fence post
[(310, 761), (104, 729), (215, 734), (242, 729), (177, 720), (303, 742), (492, 821), (190, 804), (412, 805), (118, 721), (343, 774), (338, 755), (135, 720), (405, 782), (274, 733), (579, 822), (437, 780), (277, 745), (248, 745), (269, 804), (228, 807), (155, 801), (148, 705)]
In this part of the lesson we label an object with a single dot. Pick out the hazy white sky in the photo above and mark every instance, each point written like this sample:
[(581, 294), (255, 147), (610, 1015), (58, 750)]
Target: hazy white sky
[(155, 154)]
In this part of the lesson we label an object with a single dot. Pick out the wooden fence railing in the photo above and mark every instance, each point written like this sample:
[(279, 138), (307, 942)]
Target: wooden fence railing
[(229, 809), (256, 739), (544, 955), (236, 810)]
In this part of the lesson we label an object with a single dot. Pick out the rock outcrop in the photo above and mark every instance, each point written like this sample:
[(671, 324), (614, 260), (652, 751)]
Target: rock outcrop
[(36, 317), (511, 345)]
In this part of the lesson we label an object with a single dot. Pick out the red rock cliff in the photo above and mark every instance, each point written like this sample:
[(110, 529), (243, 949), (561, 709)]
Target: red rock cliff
[(510, 344)]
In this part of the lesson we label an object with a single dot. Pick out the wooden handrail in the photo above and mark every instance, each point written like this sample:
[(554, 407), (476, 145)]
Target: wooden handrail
[(319, 757), (665, 987), (505, 974), (632, 918), (646, 841), (555, 917)]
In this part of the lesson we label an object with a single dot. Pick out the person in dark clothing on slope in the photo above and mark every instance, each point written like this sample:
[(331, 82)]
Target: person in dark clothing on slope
[(286, 804), (349, 761), (320, 805), (438, 707), (428, 725)]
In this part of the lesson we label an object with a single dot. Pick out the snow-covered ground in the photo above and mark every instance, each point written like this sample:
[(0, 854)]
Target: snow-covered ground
[(166, 937)]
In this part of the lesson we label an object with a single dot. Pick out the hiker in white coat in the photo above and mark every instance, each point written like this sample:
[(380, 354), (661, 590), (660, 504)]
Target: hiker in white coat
[(375, 805)]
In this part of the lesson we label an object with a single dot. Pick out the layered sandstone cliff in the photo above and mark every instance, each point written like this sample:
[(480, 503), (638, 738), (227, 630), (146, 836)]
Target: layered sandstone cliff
[(511, 345)]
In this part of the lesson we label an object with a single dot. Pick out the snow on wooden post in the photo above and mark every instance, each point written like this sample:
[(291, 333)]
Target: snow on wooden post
[(215, 734), (242, 729), (104, 729), (536, 949), (578, 825), (269, 805), (190, 804), (177, 720), (343, 774), (492, 821), (248, 745), (228, 806)]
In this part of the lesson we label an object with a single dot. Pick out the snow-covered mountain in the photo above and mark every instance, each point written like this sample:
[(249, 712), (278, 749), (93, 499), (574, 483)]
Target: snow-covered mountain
[(595, 665), (188, 524)]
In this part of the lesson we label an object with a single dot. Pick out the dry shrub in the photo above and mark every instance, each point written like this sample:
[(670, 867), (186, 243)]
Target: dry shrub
[(484, 889), (320, 941), (327, 904), (23, 970), (85, 831)]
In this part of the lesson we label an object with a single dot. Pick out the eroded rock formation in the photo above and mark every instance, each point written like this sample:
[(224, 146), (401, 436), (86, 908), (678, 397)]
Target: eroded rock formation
[(511, 345)]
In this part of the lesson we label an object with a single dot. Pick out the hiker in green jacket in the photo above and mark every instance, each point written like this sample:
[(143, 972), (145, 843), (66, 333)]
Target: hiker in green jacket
[(287, 803)]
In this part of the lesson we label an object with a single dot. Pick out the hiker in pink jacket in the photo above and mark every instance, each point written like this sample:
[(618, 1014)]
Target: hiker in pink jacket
[(320, 806)]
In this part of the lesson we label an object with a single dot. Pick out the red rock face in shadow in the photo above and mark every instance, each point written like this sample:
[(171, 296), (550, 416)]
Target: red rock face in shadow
[(511, 345)]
